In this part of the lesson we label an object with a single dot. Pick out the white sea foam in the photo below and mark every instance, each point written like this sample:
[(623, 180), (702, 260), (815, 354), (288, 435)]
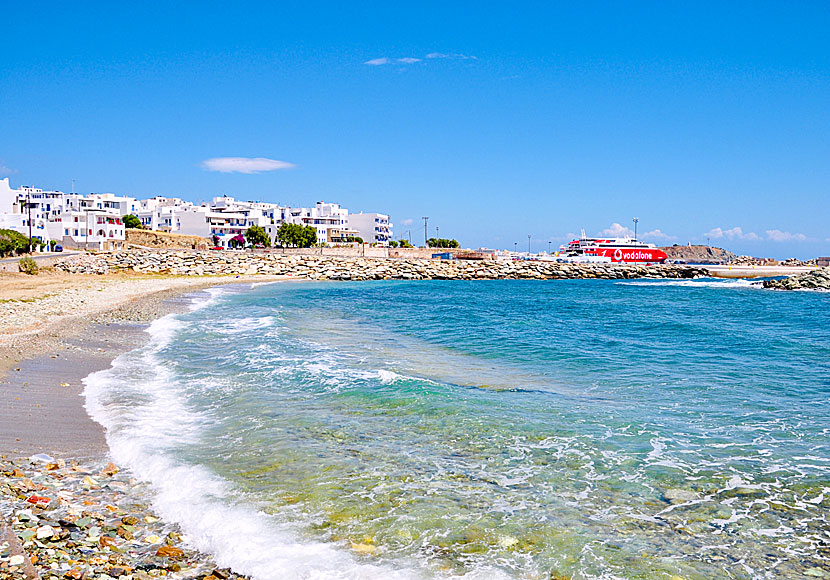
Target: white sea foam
[(240, 325), (737, 283), (146, 419), (207, 297)]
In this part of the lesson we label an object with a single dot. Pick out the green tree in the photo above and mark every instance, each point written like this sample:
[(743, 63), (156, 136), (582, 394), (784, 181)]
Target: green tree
[(256, 235), (131, 221), (295, 235), (308, 237), (442, 243), (405, 244), (393, 244)]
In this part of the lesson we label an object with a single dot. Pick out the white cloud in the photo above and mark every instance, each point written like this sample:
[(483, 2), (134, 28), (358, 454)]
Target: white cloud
[(617, 231), (455, 56), (412, 60), (779, 236), (659, 235), (6, 171), (735, 233), (407, 222), (244, 164)]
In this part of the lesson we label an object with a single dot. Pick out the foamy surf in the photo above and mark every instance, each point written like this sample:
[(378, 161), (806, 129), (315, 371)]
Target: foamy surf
[(732, 283), (137, 402), (311, 431)]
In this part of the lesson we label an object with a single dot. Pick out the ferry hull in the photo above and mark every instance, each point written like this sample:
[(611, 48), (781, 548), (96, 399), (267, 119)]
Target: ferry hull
[(631, 255)]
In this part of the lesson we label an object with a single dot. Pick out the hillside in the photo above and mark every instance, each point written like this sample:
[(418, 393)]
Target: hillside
[(699, 254), (154, 239)]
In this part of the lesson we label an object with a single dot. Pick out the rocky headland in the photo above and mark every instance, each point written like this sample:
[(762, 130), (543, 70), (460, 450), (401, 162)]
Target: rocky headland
[(699, 254), (815, 280), (202, 263)]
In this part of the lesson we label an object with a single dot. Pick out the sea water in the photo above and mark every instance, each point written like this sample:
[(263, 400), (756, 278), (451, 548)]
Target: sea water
[(486, 429)]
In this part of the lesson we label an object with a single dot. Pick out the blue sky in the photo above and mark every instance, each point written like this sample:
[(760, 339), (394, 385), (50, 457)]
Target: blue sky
[(497, 122)]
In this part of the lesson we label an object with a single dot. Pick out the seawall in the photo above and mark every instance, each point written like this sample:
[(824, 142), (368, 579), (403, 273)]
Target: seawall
[(198, 263)]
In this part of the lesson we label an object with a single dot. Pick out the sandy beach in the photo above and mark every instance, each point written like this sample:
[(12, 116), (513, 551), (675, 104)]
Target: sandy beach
[(55, 329)]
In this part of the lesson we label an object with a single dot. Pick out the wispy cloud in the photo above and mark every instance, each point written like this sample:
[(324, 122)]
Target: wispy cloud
[(244, 164), (659, 235), (453, 56), (383, 60), (779, 236), (407, 222), (6, 170), (735, 233), (617, 230)]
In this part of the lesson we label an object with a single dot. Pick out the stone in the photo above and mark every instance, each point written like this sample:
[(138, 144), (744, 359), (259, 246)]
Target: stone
[(45, 532), (110, 469), (679, 495), (16, 560), (171, 552)]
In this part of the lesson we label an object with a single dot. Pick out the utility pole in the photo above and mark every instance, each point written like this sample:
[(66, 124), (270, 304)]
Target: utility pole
[(426, 219), (436, 232), (29, 208), (528, 243), (636, 219)]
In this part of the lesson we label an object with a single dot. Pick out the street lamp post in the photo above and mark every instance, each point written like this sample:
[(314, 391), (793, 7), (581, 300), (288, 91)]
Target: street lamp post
[(636, 219), (516, 247), (426, 219), (548, 246)]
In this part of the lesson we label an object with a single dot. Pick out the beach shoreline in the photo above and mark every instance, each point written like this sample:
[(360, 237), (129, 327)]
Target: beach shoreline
[(52, 336)]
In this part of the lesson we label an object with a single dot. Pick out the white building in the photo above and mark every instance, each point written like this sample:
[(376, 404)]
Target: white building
[(374, 228), (72, 220), (322, 217)]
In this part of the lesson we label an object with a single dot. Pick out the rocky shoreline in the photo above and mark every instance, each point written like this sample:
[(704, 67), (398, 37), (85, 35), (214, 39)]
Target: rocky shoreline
[(79, 522), (197, 263), (815, 280)]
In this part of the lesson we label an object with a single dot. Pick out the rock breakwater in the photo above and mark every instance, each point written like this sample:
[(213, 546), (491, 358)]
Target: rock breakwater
[(815, 280), (347, 268)]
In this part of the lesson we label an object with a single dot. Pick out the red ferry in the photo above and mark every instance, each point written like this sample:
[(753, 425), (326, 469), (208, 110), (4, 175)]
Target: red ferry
[(629, 250)]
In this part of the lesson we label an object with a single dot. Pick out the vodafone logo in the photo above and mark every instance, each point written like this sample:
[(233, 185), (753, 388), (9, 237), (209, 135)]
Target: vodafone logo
[(618, 254)]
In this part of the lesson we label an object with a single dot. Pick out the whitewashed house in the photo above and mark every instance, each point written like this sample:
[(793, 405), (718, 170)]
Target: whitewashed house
[(373, 228)]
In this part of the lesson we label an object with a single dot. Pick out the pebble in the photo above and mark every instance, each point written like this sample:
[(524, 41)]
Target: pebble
[(91, 532)]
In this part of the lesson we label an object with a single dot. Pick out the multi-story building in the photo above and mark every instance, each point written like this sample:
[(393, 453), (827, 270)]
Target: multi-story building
[(374, 228), (322, 217), (95, 220)]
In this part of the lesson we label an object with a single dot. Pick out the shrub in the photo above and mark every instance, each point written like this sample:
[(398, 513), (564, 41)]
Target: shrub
[(27, 265), (12, 242)]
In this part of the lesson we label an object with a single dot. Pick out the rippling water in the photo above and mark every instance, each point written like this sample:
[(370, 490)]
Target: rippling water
[(518, 429)]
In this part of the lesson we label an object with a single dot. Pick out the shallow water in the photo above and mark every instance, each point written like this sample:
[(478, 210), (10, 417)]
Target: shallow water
[(519, 429)]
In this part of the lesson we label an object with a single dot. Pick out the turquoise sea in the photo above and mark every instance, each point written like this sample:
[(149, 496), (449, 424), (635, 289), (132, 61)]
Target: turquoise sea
[(486, 429)]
